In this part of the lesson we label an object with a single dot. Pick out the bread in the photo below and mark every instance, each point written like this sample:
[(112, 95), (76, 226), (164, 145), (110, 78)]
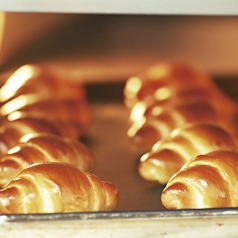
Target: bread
[(168, 155), (168, 95), (12, 131), (41, 148), (57, 187), (145, 134), (215, 97), (34, 79), (33, 91), (163, 81), (207, 181), (63, 109)]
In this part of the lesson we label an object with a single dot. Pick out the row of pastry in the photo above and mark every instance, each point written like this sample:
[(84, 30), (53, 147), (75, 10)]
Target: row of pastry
[(183, 127), (44, 166)]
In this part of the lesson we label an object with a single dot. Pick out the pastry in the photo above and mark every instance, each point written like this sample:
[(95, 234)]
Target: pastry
[(207, 181), (41, 148), (12, 131), (63, 109), (144, 134), (168, 155), (36, 80), (57, 188)]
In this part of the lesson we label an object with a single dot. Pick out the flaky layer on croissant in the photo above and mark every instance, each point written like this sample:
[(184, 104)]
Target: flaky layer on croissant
[(167, 156), (57, 187), (41, 148), (145, 134), (63, 109), (35, 79), (162, 81), (215, 97), (207, 181), (12, 131)]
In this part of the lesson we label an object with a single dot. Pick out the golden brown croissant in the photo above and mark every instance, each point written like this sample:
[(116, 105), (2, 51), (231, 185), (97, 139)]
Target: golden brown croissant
[(143, 136), (63, 109), (162, 81), (207, 181), (213, 96), (34, 79), (40, 148), (12, 131), (167, 156), (57, 187)]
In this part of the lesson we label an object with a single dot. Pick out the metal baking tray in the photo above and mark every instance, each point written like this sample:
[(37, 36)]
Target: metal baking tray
[(139, 212)]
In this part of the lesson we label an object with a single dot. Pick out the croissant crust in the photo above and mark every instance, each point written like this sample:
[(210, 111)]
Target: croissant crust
[(207, 181), (57, 187)]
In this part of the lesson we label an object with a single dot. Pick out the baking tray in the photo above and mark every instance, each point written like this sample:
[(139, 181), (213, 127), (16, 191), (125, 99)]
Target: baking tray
[(139, 212)]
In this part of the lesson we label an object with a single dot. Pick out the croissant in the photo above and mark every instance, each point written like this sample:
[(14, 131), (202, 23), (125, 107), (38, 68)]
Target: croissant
[(207, 181), (40, 148), (145, 134), (213, 96), (12, 131), (34, 79), (63, 109), (162, 81), (167, 156), (57, 187)]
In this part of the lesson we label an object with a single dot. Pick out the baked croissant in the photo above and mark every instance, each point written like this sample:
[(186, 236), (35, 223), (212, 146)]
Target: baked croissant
[(12, 131), (163, 81), (207, 181), (143, 136), (57, 187), (40, 148), (167, 156), (34, 79), (63, 109), (213, 96)]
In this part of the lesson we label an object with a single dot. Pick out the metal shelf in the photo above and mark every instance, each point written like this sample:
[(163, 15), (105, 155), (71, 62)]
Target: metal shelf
[(172, 7)]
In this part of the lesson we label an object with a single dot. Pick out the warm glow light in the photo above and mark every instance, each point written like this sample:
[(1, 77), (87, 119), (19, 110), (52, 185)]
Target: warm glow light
[(156, 146), (162, 93), (175, 132), (14, 115), (135, 126), (156, 110), (16, 81), (27, 137), (144, 157), (17, 103), (137, 111), (133, 85), (156, 72), (14, 150)]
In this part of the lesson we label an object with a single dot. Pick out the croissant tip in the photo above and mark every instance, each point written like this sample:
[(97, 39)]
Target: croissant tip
[(112, 195), (149, 171), (145, 138), (172, 196)]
